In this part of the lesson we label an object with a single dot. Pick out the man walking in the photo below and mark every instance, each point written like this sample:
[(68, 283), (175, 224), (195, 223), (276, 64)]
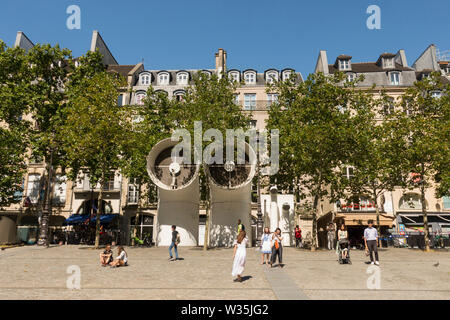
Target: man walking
[(174, 244), (371, 241), (330, 235)]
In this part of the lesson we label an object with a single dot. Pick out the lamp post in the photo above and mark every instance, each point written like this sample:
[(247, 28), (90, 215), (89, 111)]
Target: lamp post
[(259, 221)]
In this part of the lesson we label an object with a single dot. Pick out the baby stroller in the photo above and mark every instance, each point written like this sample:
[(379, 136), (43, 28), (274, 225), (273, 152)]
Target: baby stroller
[(344, 246)]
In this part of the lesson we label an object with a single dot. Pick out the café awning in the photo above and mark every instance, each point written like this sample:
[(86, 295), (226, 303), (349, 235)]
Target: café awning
[(359, 219)]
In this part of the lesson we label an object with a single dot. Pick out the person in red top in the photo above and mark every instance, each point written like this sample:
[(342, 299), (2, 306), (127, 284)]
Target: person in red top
[(298, 237)]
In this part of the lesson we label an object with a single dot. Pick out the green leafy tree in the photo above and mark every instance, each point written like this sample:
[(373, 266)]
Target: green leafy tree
[(14, 83), (314, 119), (94, 131), (424, 125), (46, 99), (150, 123), (374, 151)]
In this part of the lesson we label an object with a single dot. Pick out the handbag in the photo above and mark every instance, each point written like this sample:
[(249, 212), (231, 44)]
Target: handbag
[(277, 245)]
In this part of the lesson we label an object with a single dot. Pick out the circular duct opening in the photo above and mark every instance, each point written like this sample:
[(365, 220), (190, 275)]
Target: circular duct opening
[(232, 175), (169, 173)]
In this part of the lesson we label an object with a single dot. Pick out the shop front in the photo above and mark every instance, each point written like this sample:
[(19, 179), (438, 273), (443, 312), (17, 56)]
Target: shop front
[(438, 228), (357, 222)]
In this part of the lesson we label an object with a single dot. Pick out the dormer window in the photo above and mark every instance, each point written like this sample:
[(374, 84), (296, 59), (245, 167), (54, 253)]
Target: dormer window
[(250, 77), (344, 65), (271, 76), (206, 73), (394, 78), (163, 78), (436, 94), (139, 98), (286, 74), (388, 63), (182, 78), (145, 79), (234, 76), (179, 95)]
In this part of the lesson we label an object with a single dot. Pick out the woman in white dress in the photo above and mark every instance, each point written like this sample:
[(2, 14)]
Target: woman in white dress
[(239, 256), (266, 245)]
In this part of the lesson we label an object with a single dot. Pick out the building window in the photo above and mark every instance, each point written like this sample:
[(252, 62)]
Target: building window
[(351, 77), (436, 94), (179, 95), (163, 78), (234, 76), (145, 79), (389, 62), (410, 201), (389, 108), (344, 64), (252, 124), (139, 98), (182, 78), (133, 192), (250, 77), (394, 78), (271, 77), (271, 98), (236, 98), (446, 201), (59, 190), (33, 187), (249, 101), (349, 172), (120, 100), (286, 74)]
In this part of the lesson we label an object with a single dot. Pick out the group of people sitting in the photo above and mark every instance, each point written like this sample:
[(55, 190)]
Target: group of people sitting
[(106, 257)]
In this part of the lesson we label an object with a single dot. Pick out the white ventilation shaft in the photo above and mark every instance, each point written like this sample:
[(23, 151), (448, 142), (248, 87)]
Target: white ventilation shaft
[(230, 186), (178, 194)]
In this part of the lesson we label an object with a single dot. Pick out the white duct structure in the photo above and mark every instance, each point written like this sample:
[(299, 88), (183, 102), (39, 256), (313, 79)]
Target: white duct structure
[(230, 187), (178, 194), (279, 212)]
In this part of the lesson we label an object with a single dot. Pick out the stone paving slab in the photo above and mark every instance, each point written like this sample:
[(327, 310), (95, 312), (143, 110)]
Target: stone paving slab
[(33, 272)]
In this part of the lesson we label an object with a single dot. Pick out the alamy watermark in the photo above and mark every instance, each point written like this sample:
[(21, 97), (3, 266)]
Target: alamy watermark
[(74, 279), (374, 279), (213, 153), (374, 20), (74, 20)]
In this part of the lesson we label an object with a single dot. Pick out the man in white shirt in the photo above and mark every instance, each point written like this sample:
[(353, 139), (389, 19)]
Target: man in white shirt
[(371, 241)]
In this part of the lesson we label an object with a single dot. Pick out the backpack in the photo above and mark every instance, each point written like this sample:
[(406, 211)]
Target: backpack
[(178, 238)]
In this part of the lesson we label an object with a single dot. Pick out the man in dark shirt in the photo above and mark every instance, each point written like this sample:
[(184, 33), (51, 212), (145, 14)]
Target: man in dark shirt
[(174, 244), (106, 256)]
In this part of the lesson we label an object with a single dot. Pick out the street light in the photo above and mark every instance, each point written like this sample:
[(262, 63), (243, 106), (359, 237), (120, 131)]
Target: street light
[(259, 221)]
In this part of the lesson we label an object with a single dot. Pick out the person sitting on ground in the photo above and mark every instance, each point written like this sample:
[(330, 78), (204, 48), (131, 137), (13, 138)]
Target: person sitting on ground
[(106, 257), (121, 259)]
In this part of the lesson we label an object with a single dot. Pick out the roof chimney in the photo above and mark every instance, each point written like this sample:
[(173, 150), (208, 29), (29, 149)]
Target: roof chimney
[(221, 61)]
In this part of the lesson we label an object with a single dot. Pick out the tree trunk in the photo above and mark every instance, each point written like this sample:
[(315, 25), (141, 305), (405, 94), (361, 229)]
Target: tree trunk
[(208, 200), (314, 222), (425, 217), (46, 207), (99, 212), (136, 219)]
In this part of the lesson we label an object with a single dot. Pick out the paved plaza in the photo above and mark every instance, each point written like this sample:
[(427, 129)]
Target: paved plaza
[(41, 273)]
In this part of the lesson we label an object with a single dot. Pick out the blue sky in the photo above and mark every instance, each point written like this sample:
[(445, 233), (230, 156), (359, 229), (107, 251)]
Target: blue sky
[(259, 34)]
